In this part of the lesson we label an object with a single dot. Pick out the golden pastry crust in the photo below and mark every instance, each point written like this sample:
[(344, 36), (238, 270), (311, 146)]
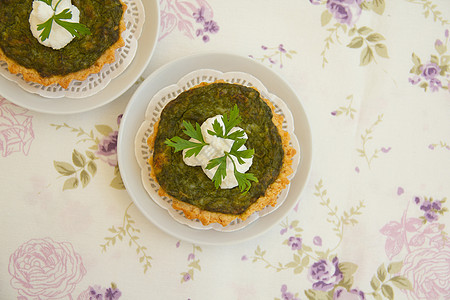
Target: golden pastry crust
[(64, 80), (269, 198)]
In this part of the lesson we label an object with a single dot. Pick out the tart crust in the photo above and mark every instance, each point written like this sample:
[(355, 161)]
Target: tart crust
[(64, 80), (271, 193)]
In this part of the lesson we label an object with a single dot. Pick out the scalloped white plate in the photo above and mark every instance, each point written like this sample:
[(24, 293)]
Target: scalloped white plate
[(152, 116), (65, 105), (134, 116)]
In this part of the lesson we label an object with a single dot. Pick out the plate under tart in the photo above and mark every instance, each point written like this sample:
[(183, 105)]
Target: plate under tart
[(146, 45), (134, 116), (152, 116)]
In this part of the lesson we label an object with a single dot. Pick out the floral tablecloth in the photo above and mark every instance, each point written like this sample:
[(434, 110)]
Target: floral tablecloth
[(371, 223)]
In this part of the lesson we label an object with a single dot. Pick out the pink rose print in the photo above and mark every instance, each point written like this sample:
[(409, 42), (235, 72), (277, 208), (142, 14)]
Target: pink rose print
[(16, 131), (428, 269), (193, 18), (45, 269)]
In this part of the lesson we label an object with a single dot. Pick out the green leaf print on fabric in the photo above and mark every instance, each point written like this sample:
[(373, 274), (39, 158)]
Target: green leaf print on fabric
[(376, 6), (83, 166), (431, 9), (340, 17), (80, 170), (441, 144), (346, 110), (366, 137), (128, 230), (275, 55), (370, 42), (383, 281), (193, 265)]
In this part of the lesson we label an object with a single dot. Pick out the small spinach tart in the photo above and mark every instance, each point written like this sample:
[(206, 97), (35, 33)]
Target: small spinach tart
[(190, 189), (84, 55)]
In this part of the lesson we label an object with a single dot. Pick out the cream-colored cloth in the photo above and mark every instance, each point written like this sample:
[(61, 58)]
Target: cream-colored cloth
[(372, 221)]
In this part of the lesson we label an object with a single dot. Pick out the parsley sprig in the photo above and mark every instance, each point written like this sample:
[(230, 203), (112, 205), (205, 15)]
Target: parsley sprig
[(76, 29), (243, 179), (229, 123), (235, 155), (194, 147)]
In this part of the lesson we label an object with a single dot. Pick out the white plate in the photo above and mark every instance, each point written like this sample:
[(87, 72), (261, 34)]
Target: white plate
[(146, 44), (134, 116), (152, 115)]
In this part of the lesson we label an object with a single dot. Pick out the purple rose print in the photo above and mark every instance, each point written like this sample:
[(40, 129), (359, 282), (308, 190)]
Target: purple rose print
[(325, 275), (414, 80), (433, 74), (317, 240), (437, 205), (187, 277), (295, 243), (343, 294), (345, 11), (431, 216), (431, 208), (435, 84), (184, 15), (210, 26), (430, 70), (107, 149), (425, 206), (112, 294), (96, 292), (199, 15), (417, 200), (285, 295)]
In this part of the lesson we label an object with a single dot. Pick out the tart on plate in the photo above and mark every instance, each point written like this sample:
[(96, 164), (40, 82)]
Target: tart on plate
[(87, 53), (220, 153)]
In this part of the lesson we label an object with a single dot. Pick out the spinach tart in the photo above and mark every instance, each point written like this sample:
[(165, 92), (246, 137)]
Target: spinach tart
[(220, 153), (27, 25)]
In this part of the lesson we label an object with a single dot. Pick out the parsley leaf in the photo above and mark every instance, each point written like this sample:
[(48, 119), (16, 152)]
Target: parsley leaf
[(75, 29), (243, 179), (240, 154), (229, 123), (233, 121), (48, 2), (46, 27), (180, 144), (193, 133), (221, 171)]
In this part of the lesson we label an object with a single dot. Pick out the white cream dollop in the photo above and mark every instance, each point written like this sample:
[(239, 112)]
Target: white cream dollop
[(217, 148), (41, 12)]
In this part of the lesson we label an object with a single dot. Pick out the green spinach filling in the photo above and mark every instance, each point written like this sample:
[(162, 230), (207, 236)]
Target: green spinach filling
[(190, 184), (18, 43)]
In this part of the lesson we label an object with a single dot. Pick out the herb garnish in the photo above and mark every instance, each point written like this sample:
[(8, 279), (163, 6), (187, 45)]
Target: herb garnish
[(229, 123), (234, 155), (76, 29), (180, 144)]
